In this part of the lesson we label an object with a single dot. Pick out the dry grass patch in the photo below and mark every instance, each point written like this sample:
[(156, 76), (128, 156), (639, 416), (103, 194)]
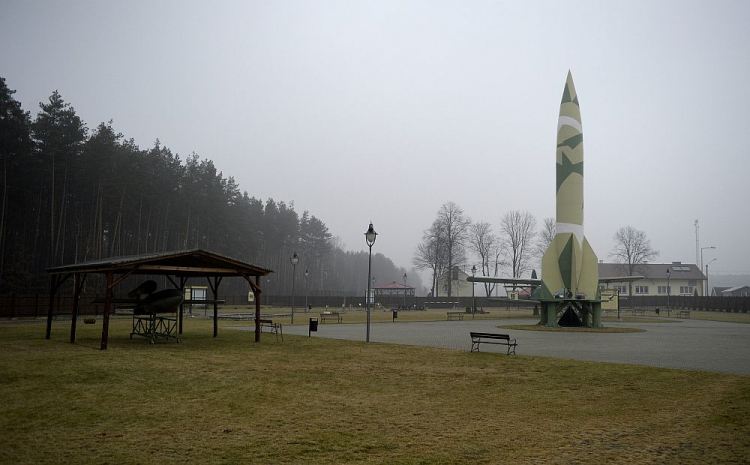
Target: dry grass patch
[(327, 401)]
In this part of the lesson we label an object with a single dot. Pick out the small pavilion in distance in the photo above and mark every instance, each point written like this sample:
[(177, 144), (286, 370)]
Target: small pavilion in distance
[(395, 295), (177, 267)]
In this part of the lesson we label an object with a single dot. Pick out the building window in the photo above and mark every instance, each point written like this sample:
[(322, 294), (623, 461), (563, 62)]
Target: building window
[(664, 290), (641, 289), (621, 289), (687, 290)]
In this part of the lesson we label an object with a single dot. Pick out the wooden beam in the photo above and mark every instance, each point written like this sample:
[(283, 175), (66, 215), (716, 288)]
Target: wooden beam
[(107, 305), (52, 289), (191, 269), (257, 305), (76, 304), (55, 283), (253, 286), (122, 278), (174, 283), (215, 289), (183, 280)]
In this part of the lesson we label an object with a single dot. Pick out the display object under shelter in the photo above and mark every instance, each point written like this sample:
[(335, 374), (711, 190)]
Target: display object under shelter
[(177, 267)]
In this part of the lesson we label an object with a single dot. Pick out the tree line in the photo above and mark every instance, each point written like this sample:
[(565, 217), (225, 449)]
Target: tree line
[(70, 194), (453, 240)]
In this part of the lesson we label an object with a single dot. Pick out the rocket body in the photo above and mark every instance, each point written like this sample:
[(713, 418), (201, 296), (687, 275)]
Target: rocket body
[(569, 263)]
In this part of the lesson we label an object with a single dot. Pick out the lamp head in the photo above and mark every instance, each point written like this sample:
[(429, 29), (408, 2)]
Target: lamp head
[(294, 259), (473, 269), (370, 235)]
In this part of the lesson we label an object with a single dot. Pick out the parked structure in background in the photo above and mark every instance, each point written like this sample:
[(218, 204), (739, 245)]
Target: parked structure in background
[(738, 291), (682, 279), (459, 286)]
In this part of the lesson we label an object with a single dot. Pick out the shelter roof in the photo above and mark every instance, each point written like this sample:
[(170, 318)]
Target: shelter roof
[(195, 262), (393, 285)]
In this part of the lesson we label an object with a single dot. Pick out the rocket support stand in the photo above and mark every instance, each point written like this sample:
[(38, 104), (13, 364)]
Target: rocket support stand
[(590, 310)]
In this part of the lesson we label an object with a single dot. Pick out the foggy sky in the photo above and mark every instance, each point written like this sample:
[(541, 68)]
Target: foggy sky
[(383, 111)]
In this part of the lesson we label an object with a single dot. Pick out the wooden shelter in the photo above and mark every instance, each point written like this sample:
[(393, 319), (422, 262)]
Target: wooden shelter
[(396, 293), (177, 267)]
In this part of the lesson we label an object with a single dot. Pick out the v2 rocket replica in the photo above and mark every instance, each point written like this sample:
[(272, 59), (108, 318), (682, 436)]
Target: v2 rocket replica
[(570, 266)]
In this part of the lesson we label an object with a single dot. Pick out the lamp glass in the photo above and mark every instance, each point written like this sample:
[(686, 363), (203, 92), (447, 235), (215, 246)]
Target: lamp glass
[(370, 235), (294, 259)]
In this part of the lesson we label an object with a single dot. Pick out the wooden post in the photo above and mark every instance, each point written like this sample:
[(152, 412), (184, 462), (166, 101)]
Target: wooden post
[(182, 305), (52, 289), (107, 305), (256, 293), (215, 290), (76, 307)]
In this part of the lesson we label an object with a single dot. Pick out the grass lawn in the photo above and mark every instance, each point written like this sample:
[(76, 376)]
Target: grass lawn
[(228, 400)]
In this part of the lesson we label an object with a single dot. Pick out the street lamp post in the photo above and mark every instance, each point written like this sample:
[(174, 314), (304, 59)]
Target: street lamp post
[(306, 307), (704, 282), (668, 273), (404, 291), (473, 301), (294, 261), (708, 284), (370, 237)]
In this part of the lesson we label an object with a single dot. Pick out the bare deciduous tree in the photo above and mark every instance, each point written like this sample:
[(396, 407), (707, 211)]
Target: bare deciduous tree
[(486, 246), (545, 237), (455, 228), (632, 248), (519, 230), (429, 254)]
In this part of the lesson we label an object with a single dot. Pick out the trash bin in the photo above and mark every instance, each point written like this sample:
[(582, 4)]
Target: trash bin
[(657, 310), (395, 315), (312, 327)]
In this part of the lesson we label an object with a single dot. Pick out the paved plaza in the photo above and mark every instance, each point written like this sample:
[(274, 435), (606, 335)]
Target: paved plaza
[(685, 344)]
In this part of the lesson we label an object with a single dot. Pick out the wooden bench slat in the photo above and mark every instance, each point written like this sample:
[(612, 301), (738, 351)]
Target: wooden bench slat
[(504, 339), (331, 316), (459, 315)]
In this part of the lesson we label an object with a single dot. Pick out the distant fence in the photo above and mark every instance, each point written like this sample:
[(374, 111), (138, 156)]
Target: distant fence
[(708, 304), (36, 305)]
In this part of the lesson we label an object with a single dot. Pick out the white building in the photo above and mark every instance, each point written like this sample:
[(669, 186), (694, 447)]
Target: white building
[(681, 278)]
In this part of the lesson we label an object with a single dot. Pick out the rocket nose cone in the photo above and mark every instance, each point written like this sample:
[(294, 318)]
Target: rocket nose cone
[(569, 93)]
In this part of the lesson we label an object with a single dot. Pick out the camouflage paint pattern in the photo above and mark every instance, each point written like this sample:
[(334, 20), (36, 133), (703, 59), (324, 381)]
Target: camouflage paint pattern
[(569, 262)]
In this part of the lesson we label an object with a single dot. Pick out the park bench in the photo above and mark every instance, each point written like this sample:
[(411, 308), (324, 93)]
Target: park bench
[(491, 338), (639, 311), (683, 314), (458, 315), (275, 328), (441, 304), (331, 316)]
